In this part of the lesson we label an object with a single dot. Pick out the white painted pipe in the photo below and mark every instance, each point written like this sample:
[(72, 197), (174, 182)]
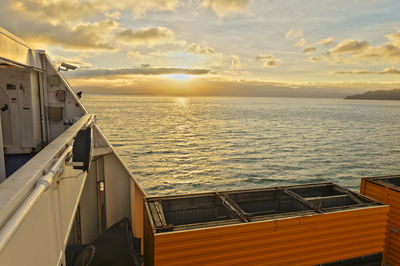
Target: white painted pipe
[(42, 107), (42, 185), (45, 98)]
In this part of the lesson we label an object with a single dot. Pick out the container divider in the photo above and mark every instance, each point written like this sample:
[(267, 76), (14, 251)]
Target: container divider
[(302, 200), (234, 207)]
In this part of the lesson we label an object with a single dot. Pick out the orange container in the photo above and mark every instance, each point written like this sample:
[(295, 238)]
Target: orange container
[(386, 189), (296, 225)]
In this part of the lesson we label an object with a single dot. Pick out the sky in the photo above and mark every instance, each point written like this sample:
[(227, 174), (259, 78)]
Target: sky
[(295, 48)]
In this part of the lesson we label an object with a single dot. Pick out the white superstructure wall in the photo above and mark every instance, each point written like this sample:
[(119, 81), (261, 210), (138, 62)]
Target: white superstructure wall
[(20, 110), (42, 111)]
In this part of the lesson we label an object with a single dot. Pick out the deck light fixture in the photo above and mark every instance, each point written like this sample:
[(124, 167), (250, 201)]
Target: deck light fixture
[(66, 67)]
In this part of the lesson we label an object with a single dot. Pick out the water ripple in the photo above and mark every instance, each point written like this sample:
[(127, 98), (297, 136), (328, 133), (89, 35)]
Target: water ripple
[(184, 145)]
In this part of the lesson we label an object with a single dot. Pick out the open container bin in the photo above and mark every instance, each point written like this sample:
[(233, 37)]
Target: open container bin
[(386, 189), (301, 225)]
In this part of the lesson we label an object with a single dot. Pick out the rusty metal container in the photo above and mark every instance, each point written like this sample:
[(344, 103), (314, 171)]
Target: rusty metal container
[(386, 189), (294, 225)]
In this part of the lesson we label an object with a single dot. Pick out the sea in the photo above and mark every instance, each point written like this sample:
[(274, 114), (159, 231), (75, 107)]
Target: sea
[(178, 145)]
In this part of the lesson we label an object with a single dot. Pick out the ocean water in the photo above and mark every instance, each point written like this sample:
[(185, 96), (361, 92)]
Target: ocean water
[(184, 145)]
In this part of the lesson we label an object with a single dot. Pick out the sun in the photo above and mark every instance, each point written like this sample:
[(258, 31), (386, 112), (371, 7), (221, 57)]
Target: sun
[(180, 77)]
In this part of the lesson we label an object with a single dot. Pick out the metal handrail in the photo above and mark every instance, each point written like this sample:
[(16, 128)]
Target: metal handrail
[(41, 186)]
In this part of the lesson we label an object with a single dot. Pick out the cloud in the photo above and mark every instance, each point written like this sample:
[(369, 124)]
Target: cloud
[(309, 49), (202, 55), (148, 37), (226, 7), (326, 41), (354, 51), (394, 38), (113, 15), (269, 60), (41, 30), (301, 43), (314, 59), (62, 10), (297, 36), (134, 54), (195, 48), (391, 70), (355, 72), (388, 51), (83, 36), (349, 47), (83, 24), (334, 59), (236, 62), (56, 10), (293, 34), (143, 70), (386, 71)]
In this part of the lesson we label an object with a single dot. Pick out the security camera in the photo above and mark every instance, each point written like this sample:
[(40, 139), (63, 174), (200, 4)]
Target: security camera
[(66, 67)]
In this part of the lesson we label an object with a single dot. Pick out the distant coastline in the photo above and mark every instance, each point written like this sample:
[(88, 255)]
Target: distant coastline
[(376, 95)]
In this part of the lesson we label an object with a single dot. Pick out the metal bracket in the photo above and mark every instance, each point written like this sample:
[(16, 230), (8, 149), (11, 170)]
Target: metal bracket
[(302, 200), (233, 206), (160, 221), (348, 193)]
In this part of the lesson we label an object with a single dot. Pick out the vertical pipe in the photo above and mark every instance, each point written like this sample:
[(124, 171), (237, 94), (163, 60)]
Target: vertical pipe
[(42, 112), (99, 210), (45, 98), (2, 162)]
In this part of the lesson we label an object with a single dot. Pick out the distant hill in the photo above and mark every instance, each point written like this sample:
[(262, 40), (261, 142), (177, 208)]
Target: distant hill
[(377, 95)]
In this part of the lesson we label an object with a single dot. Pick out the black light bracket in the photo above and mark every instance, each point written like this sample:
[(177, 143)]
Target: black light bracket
[(82, 150)]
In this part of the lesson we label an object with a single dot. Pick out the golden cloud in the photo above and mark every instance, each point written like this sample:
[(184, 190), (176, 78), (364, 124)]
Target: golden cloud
[(83, 36), (394, 38), (301, 43), (226, 7), (349, 47), (354, 51), (236, 62), (293, 34), (309, 49), (62, 10), (269, 60), (386, 71), (61, 25), (148, 37), (134, 54), (195, 48), (314, 59), (388, 51), (326, 41)]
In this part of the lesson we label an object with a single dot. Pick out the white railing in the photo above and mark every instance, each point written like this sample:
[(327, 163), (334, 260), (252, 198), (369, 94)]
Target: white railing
[(20, 192), (41, 186)]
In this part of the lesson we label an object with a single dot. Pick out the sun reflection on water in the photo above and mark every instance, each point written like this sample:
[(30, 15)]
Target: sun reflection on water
[(177, 145)]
